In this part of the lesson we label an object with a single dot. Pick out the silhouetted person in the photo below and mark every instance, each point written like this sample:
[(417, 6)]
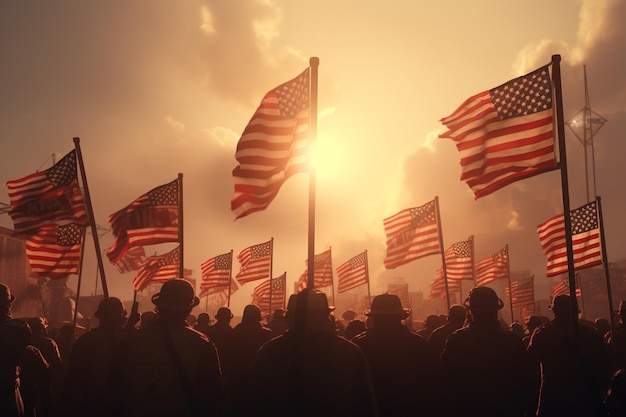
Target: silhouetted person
[(454, 321), (146, 319), (34, 379), (533, 323), (50, 351), (617, 339), (203, 323), (90, 360), (431, 322), (616, 397), (167, 369), (574, 373), (402, 363), (484, 366), (517, 329), (13, 341), (278, 325), (221, 331), (309, 370), (246, 339), (354, 328)]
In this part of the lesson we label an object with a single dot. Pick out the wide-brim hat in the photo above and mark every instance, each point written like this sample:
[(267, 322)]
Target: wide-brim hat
[(6, 297), (483, 299), (316, 302), (176, 294), (387, 305)]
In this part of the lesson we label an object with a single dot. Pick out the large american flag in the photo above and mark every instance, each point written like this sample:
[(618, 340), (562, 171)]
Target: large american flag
[(459, 262), (505, 134), (255, 261), (47, 197), (492, 267), (586, 243), (273, 146), (216, 272), (261, 294), (522, 292), (411, 234), (322, 271), (159, 268), (132, 260), (150, 219), (54, 250), (352, 273)]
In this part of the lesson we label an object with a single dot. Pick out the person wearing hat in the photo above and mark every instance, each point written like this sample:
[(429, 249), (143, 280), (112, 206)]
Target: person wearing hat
[(84, 389), (403, 364), (167, 368), (483, 365), (221, 331), (572, 375), (310, 370), (454, 321), (278, 325)]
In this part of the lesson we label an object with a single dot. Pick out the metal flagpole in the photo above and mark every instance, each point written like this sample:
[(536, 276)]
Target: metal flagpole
[(442, 251), (181, 266), (92, 222), (558, 95), (605, 261), (80, 276), (508, 274), (230, 279), (367, 275), (270, 277), (313, 65)]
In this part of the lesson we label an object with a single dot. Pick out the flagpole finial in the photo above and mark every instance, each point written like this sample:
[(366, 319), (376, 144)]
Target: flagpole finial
[(314, 61)]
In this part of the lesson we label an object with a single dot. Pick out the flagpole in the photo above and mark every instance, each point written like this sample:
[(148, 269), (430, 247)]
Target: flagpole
[(471, 238), (80, 275), (582, 299), (442, 251), (367, 274), (558, 94), (92, 222), (181, 266), (508, 273), (313, 65), (270, 277), (230, 279), (605, 261)]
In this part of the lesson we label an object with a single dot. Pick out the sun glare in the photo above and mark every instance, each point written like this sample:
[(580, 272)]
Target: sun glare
[(326, 157)]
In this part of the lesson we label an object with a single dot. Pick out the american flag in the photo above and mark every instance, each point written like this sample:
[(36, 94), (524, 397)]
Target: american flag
[(150, 219), (47, 197), (522, 292), (403, 294), (438, 286), (492, 267), (505, 134), (322, 271), (132, 260), (411, 234), (273, 146), (562, 288), (585, 240), (352, 273), (261, 294), (216, 272), (159, 268), (54, 250), (256, 262), (459, 262), (218, 295)]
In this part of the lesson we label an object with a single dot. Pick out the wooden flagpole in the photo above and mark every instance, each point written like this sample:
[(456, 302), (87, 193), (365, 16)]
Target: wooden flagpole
[(313, 65), (92, 222), (181, 237), (558, 95), (230, 279), (508, 275), (442, 251), (605, 262), (367, 275)]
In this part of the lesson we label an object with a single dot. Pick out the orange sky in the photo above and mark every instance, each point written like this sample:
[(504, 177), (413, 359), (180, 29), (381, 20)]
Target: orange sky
[(157, 88)]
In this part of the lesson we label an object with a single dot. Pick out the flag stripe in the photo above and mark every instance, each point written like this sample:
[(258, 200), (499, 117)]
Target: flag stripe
[(255, 262), (159, 268), (216, 272), (261, 294), (322, 271), (492, 268), (458, 259), (54, 251), (352, 273)]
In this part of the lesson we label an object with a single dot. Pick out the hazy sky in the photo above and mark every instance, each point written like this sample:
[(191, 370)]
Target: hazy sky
[(154, 88)]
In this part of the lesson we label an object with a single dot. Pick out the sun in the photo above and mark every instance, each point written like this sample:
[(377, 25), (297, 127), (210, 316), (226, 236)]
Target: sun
[(327, 157)]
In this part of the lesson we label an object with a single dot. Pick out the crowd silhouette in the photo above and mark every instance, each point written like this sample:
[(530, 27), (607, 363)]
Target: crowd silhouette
[(303, 361)]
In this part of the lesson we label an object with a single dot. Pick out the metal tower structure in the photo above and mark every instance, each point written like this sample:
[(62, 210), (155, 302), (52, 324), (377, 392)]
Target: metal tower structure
[(589, 122)]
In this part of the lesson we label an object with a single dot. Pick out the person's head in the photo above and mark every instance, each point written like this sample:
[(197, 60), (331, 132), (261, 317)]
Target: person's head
[(203, 319), (432, 321), (354, 328), (457, 314), (561, 306), (316, 316), (111, 312), (251, 314), (387, 308), (38, 326), (517, 329), (603, 326), (349, 315), (223, 315), (147, 318), (483, 303), (6, 299), (191, 319), (279, 314), (176, 299)]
